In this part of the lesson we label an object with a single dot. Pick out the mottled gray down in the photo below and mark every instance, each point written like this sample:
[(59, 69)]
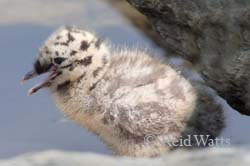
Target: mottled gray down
[(124, 95)]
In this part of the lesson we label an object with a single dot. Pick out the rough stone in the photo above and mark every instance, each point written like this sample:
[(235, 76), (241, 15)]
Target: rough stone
[(212, 34)]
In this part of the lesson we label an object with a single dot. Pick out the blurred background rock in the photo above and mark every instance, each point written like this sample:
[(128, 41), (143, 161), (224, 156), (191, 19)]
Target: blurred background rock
[(212, 34)]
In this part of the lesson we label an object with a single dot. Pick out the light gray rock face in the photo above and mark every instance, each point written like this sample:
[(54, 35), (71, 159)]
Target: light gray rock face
[(207, 157), (212, 34)]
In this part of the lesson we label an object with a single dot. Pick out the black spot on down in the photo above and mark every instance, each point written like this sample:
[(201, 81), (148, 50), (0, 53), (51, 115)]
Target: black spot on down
[(84, 45), (73, 52), (86, 61)]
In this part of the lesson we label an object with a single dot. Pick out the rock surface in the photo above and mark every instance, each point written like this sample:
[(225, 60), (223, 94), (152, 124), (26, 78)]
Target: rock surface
[(214, 35), (207, 157), (138, 20)]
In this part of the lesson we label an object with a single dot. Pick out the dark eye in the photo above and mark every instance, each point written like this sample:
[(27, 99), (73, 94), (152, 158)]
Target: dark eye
[(59, 60)]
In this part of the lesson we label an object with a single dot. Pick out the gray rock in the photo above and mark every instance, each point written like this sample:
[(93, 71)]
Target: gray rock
[(206, 157), (139, 21), (214, 35)]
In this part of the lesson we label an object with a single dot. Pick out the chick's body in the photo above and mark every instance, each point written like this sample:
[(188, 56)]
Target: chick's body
[(123, 96)]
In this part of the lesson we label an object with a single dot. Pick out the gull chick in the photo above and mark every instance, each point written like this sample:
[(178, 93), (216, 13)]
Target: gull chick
[(130, 99)]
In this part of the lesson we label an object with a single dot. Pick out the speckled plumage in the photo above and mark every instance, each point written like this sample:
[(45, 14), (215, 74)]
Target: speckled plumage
[(122, 96)]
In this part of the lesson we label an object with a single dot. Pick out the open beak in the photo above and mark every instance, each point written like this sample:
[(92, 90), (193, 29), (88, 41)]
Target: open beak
[(46, 83), (28, 76)]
